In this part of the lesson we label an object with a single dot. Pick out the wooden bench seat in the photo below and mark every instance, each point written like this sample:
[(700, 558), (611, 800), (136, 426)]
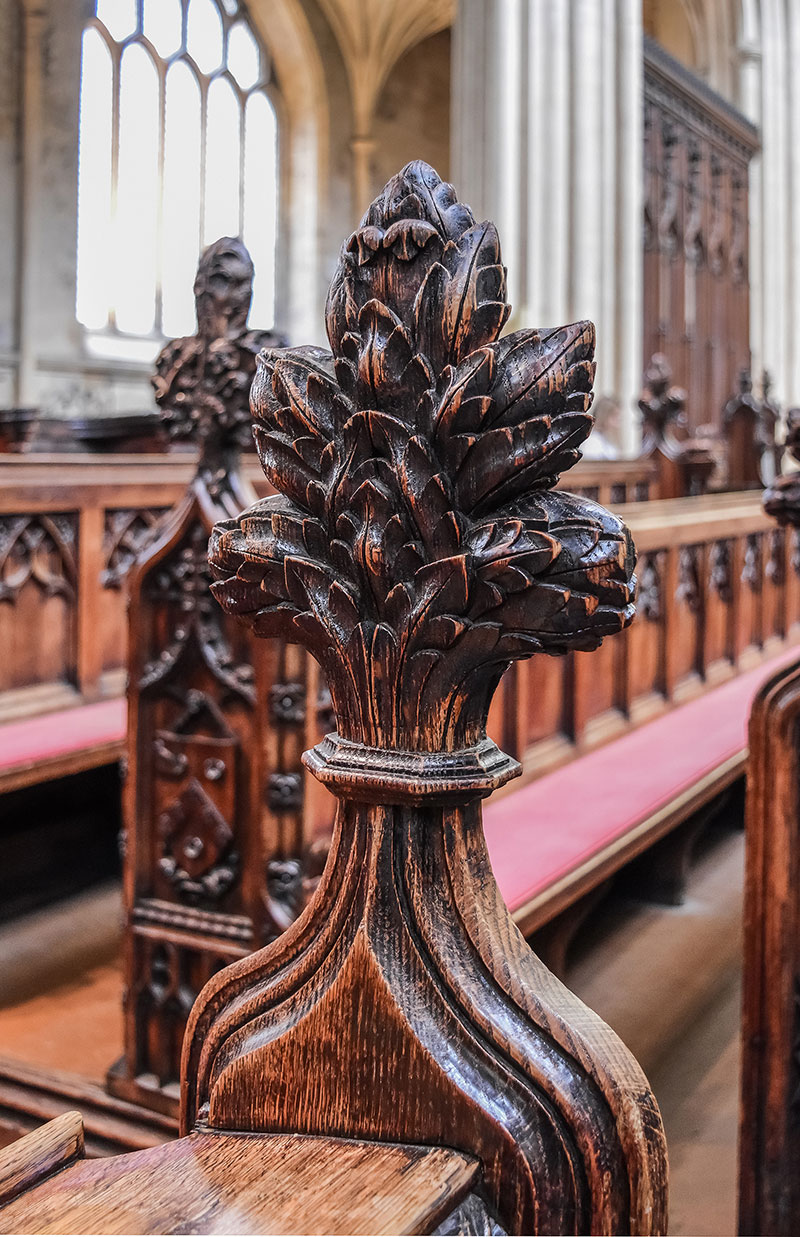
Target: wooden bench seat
[(37, 749), (240, 1183), (559, 837)]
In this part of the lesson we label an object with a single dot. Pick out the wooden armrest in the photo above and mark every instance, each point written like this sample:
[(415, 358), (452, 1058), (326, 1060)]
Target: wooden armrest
[(31, 1160), (215, 1182)]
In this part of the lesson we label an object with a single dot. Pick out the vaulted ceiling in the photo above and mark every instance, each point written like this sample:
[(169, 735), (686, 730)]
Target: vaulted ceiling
[(374, 34)]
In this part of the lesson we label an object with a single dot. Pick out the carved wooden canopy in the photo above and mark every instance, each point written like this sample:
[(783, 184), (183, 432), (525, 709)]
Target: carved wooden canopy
[(416, 546)]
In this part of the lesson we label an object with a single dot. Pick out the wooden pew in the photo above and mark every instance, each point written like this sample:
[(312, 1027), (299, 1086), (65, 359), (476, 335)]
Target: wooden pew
[(719, 595), (16, 428), (398, 1060), (216, 847), (769, 1132), (614, 482)]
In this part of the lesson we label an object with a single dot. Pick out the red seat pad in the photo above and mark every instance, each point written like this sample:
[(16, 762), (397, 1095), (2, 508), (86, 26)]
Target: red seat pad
[(34, 739), (540, 833)]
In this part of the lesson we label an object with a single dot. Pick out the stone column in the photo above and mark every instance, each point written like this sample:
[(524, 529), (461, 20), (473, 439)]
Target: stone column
[(546, 139)]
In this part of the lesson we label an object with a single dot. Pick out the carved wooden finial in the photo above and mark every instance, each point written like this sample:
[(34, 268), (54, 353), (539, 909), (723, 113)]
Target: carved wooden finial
[(213, 804), (417, 547), (742, 424), (662, 405), (202, 381), (685, 463), (782, 497)]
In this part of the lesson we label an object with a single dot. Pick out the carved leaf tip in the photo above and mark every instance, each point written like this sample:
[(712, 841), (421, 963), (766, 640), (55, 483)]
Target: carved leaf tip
[(416, 541)]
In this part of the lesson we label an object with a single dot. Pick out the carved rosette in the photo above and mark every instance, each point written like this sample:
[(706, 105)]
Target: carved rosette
[(417, 547)]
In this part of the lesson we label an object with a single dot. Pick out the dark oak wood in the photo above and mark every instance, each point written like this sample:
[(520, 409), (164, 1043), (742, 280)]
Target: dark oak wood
[(214, 835), (71, 528), (683, 465), (16, 428), (31, 1095), (769, 1133), (747, 435), (697, 150), (719, 593), (52, 1147), (416, 547), (614, 482)]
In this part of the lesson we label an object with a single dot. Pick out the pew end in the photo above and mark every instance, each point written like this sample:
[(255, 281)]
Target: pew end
[(399, 1040)]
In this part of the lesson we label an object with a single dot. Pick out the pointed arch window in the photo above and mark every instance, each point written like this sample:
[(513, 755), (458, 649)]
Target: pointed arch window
[(178, 146)]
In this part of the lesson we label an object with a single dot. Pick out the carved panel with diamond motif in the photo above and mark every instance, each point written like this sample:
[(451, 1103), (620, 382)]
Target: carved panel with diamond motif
[(214, 801)]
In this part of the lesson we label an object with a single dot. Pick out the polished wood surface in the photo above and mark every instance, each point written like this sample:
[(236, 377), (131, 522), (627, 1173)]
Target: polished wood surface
[(228, 1183), (682, 464), (746, 436), (769, 1136), (40, 1154), (613, 482)]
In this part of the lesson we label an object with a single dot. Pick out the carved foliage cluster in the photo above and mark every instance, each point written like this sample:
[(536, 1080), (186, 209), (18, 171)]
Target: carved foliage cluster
[(38, 548), (782, 498), (416, 545), (662, 405), (202, 381), (689, 588), (720, 570)]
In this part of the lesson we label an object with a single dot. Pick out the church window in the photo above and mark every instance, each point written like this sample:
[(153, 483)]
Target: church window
[(178, 146)]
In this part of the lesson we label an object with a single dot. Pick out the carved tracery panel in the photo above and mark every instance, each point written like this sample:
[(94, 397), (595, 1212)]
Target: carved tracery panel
[(695, 233)]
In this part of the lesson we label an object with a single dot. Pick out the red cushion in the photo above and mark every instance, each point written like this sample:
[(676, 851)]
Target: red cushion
[(34, 739), (546, 829)]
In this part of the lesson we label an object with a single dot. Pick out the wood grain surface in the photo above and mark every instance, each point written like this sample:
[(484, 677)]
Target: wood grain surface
[(769, 1136), (43, 1152), (218, 1183)]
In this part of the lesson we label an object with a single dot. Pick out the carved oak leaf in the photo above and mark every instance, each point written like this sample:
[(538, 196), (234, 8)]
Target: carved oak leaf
[(416, 546)]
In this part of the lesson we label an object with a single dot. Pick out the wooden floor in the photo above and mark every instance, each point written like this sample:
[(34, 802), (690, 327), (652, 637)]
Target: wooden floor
[(61, 987), (667, 979)]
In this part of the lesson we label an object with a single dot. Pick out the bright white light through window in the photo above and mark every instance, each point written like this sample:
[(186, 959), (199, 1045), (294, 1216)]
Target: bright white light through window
[(261, 200), (178, 146), (163, 24), (94, 184)]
